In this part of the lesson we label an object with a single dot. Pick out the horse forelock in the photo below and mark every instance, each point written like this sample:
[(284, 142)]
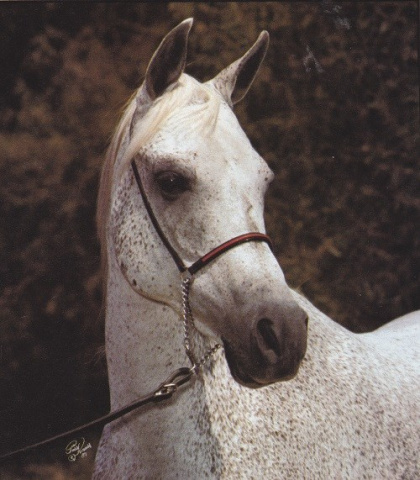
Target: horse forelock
[(190, 101), (195, 106)]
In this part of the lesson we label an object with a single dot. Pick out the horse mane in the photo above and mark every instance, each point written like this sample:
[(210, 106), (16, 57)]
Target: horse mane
[(200, 101)]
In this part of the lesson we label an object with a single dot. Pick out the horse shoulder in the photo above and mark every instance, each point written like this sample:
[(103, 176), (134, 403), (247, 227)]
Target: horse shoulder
[(399, 339)]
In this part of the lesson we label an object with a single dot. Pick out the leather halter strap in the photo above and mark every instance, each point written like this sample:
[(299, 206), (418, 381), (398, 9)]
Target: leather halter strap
[(208, 257)]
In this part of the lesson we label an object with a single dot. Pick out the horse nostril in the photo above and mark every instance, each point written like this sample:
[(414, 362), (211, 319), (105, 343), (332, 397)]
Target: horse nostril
[(268, 335), (306, 321)]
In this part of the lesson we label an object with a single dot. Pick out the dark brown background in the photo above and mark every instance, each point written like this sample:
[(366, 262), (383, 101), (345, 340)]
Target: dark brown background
[(334, 111)]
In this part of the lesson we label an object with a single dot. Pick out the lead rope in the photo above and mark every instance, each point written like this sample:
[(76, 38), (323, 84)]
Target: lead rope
[(188, 323), (165, 390)]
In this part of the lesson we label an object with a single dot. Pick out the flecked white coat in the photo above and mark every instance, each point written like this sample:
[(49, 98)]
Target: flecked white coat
[(352, 412)]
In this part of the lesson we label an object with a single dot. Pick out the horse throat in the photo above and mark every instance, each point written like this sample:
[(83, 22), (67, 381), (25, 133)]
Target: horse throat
[(144, 344), (144, 341)]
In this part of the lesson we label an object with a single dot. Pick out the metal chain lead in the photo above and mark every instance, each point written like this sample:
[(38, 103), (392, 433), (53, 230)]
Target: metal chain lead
[(188, 323), (187, 319)]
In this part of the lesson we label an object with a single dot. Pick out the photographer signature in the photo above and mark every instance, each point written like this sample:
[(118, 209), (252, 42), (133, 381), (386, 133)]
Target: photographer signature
[(77, 448)]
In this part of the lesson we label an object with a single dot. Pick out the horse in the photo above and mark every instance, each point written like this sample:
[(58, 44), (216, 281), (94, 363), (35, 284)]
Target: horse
[(190, 278)]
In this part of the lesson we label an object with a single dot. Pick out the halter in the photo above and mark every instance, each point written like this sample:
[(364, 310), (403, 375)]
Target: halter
[(208, 257), (188, 272), (184, 374)]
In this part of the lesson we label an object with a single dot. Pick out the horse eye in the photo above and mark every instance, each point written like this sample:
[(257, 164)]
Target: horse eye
[(172, 184)]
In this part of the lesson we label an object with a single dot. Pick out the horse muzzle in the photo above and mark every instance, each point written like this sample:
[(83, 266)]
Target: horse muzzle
[(272, 351)]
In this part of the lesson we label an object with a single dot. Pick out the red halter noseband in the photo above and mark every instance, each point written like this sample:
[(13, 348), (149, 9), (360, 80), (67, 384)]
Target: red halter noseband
[(205, 259)]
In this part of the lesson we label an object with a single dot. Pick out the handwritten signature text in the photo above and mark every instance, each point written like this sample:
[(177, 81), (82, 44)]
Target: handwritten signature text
[(77, 448)]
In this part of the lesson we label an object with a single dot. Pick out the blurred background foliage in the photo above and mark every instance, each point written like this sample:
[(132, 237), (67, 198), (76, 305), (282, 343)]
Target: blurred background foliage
[(334, 111)]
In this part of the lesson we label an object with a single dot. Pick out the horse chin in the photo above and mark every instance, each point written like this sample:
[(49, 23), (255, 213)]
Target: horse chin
[(253, 380)]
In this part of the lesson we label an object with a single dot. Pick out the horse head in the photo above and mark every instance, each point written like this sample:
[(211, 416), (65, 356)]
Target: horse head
[(206, 184)]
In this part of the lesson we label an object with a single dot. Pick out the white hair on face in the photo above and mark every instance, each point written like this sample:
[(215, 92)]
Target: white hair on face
[(190, 105)]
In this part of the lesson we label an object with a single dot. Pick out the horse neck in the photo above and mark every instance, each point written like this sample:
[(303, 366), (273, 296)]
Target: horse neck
[(144, 341), (144, 345)]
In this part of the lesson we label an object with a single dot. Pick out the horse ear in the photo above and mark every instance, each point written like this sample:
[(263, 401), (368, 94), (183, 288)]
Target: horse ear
[(168, 61), (234, 81)]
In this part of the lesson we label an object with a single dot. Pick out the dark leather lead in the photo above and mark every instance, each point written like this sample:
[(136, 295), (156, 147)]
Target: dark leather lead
[(182, 375)]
